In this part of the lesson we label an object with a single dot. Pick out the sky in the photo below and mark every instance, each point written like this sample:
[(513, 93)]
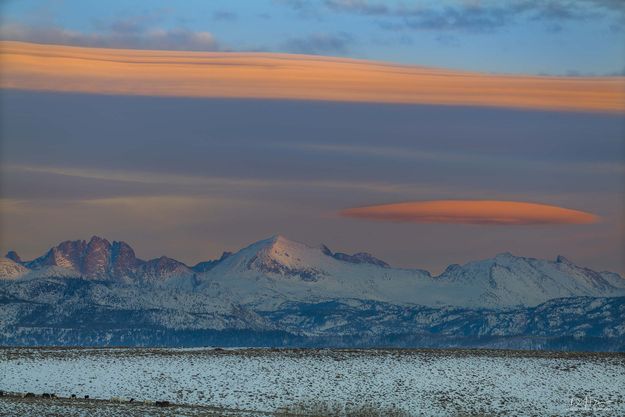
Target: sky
[(557, 37), (426, 133)]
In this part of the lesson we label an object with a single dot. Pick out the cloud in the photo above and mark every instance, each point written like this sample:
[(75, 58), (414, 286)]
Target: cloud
[(320, 44), (124, 33), (479, 16), (483, 212), (358, 6), (225, 15), (464, 158), (281, 76), (177, 182), (610, 5), (467, 18), (304, 8), (132, 23)]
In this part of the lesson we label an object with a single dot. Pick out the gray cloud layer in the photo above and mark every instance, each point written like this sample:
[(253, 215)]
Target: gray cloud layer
[(469, 16), (320, 44), (134, 32)]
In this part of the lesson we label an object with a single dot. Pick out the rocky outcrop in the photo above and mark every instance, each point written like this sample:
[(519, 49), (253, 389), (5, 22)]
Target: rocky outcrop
[(12, 255)]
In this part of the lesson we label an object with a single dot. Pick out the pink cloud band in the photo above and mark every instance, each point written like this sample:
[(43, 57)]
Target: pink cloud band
[(282, 76)]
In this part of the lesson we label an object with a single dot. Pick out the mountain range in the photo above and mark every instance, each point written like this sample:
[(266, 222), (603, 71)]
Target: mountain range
[(278, 292)]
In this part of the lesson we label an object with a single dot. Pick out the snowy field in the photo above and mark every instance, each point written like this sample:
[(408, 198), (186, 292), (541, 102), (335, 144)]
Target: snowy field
[(261, 382)]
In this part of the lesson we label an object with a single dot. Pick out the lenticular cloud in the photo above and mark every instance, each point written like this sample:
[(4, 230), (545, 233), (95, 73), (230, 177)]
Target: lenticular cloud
[(486, 212)]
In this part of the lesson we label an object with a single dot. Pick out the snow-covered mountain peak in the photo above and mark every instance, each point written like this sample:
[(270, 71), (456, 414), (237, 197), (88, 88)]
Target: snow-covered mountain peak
[(505, 257), (281, 256), (278, 255), (281, 243)]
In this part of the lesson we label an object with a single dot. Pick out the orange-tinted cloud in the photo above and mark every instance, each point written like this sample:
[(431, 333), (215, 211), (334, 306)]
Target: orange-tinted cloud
[(282, 76), (487, 212)]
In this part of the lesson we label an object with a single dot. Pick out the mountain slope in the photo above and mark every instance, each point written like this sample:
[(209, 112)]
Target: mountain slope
[(276, 270), (9, 269), (510, 280), (278, 292), (96, 313), (565, 317)]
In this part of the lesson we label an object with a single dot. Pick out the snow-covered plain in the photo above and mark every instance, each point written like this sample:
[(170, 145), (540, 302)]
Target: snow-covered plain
[(421, 382)]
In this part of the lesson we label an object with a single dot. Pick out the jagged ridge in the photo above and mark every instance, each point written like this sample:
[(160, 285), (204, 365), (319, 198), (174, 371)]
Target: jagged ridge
[(277, 270)]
